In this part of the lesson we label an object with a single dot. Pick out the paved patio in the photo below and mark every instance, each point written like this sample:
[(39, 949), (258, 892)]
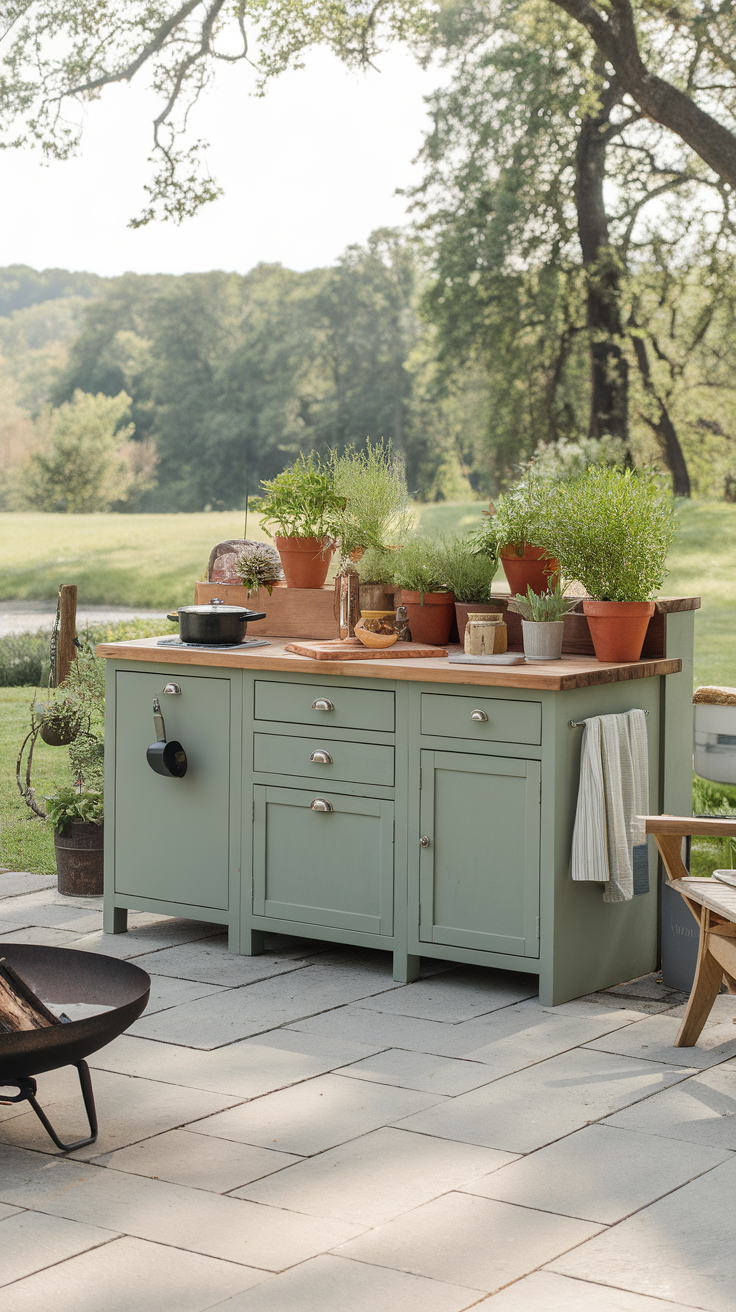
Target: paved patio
[(296, 1132)]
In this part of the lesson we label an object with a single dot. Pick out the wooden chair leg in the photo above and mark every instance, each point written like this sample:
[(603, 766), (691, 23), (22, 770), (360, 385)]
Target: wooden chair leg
[(706, 986)]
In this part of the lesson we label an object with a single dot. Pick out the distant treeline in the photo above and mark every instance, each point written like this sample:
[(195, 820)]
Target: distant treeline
[(230, 376)]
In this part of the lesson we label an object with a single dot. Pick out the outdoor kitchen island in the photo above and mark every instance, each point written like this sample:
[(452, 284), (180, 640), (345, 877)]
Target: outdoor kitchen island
[(416, 806)]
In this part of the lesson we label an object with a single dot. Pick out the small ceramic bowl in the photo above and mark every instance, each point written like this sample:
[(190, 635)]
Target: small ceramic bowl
[(376, 640)]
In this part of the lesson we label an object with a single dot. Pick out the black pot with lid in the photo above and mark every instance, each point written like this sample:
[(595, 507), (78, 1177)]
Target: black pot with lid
[(214, 623)]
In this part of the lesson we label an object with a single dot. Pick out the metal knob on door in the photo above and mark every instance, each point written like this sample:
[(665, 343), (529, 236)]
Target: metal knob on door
[(479, 717), (320, 804), (321, 758), (424, 841), (322, 704)]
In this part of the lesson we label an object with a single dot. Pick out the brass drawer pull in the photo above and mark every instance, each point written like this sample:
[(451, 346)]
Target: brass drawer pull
[(479, 717), (322, 704), (321, 758), (424, 841), (320, 804)]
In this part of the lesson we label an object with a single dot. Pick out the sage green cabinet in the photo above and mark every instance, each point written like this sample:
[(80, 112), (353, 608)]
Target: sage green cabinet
[(479, 853), (332, 866), (171, 836)]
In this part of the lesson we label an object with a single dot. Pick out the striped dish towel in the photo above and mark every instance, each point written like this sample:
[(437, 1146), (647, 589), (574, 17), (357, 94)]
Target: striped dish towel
[(609, 843)]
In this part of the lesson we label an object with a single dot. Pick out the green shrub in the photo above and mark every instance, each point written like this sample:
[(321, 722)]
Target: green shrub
[(466, 571), (612, 530), (417, 566), (25, 659)]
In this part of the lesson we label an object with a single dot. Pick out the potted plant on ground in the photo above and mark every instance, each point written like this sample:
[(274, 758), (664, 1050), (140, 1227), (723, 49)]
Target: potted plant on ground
[(300, 504), (612, 530), (469, 574), (76, 814), (542, 621), (418, 571), (519, 525)]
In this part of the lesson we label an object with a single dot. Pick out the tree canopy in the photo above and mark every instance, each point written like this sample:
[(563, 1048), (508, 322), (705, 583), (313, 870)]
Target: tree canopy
[(675, 63)]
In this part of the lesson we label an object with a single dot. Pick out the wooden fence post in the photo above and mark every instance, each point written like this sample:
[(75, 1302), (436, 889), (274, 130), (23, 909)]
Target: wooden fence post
[(65, 648)]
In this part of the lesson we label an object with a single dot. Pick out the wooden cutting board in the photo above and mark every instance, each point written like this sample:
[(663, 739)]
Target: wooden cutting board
[(342, 651)]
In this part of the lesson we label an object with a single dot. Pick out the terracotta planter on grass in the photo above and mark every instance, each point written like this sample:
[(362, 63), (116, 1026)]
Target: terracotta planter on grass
[(618, 628), (533, 570), (79, 859), (305, 560), (430, 616)]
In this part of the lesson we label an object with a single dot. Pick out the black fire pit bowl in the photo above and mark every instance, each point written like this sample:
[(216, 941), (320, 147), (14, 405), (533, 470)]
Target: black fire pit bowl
[(62, 976)]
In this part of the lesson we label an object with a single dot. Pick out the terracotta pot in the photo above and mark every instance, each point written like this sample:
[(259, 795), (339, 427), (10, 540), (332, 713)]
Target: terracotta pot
[(305, 560), (534, 569), (430, 621), (79, 859), (463, 608), (618, 628)]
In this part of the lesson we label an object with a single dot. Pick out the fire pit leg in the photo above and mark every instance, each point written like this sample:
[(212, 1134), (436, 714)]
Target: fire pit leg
[(27, 1093)]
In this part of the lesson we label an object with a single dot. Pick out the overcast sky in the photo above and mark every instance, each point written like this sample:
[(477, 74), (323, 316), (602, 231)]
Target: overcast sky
[(308, 169)]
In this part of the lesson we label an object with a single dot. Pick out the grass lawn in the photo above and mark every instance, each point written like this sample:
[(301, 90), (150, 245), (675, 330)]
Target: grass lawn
[(26, 843)]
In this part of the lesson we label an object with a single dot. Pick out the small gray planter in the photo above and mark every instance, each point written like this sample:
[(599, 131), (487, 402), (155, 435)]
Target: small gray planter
[(542, 642)]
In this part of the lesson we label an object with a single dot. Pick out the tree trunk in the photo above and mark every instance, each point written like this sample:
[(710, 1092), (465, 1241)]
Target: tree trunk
[(663, 426), (613, 30), (609, 370)]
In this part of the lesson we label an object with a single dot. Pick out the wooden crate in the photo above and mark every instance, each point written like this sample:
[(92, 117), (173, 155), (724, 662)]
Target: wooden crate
[(290, 612)]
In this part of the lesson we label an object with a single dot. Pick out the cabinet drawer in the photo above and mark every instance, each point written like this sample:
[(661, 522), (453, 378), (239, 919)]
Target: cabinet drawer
[(360, 763), (445, 715), (347, 708)]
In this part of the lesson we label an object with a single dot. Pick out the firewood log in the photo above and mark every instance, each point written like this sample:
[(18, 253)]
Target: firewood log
[(20, 1007)]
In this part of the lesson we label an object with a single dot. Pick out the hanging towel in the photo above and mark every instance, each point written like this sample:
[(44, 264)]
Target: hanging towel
[(609, 842)]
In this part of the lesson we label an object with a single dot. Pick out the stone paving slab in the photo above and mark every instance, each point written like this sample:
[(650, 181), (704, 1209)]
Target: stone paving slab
[(463, 1239), (336, 1282), (680, 1248), (295, 1131), (524, 1111), (545, 1292), (248, 1069), (374, 1178), (315, 1115), (598, 1173), (131, 1275)]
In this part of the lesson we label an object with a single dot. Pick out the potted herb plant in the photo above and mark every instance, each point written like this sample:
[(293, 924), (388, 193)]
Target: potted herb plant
[(612, 530), (373, 510), (76, 814), (542, 621), (520, 528), (300, 504), (375, 569), (469, 573), (418, 571), (258, 566)]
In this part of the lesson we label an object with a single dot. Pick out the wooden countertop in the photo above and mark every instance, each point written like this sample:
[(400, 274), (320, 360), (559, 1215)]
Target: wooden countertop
[(552, 676)]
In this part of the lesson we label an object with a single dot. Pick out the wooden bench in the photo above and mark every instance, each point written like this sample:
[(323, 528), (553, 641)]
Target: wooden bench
[(713, 905)]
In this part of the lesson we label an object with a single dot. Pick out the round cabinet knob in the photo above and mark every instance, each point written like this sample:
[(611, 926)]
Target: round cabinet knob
[(322, 704), (479, 717), (424, 841), (320, 804), (321, 758)]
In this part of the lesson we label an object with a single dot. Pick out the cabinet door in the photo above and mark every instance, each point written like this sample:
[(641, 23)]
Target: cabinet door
[(323, 867), (172, 835), (479, 874)]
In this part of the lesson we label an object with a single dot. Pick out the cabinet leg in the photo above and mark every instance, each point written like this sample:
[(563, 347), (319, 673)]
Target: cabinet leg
[(115, 920), (252, 942), (406, 966)]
